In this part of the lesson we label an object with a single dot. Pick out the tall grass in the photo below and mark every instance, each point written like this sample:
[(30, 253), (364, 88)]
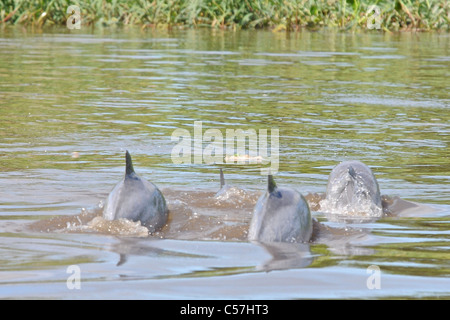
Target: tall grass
[(234, 14)]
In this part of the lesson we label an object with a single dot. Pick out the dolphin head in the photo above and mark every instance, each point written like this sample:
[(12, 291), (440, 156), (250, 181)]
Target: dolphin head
[(352, 190)]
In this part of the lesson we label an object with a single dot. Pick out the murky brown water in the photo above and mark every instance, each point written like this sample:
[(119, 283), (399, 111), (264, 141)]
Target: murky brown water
[(71, 103)]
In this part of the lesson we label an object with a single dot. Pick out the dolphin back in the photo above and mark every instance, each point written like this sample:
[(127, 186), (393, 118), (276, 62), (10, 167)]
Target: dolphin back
[(136, 199), (282, 215)]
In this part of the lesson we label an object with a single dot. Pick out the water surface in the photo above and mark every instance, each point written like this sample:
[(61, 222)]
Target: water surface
[(72, 102)]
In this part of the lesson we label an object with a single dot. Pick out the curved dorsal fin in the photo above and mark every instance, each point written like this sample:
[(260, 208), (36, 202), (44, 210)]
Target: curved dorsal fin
[(222, 179), (128, 164), (271, 183)]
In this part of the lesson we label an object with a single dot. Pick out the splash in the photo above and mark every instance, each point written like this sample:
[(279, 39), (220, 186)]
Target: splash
[(120, 227), (362, 208), (353, 200), (353, 203), (205, 215), (233, 196), (90, 220)]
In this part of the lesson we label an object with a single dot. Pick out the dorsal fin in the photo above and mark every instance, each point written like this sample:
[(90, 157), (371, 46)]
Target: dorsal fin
[(222, 179), (122, 260), (271, 185), (128, 164)]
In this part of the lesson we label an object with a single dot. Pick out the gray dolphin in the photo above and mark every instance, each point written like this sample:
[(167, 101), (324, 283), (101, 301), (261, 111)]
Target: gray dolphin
[(281, 215), (224, 187), (229, 193), (352, 190), (136, 199)]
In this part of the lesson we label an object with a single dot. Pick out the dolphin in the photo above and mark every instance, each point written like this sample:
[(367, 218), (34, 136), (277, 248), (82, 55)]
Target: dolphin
[(352, 190), (281, 215), (229, 193), (136, 199), (224, 187)]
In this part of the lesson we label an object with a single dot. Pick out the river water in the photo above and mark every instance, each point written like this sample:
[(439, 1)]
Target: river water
[(72, 102)]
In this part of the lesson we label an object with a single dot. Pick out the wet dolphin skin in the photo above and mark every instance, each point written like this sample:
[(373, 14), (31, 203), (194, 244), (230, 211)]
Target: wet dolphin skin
[(136, 199), (281, 215), (352, 190)]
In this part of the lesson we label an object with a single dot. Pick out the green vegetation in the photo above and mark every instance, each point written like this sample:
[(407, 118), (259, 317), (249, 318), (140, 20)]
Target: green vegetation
[(234, 14)]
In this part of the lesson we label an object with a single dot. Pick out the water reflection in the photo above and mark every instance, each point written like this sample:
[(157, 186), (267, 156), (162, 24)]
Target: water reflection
[(379, 98), (126, 247), (286, 256), (283, 256)]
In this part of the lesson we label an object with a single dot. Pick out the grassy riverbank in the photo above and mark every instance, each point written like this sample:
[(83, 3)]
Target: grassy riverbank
[(403, 15)]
